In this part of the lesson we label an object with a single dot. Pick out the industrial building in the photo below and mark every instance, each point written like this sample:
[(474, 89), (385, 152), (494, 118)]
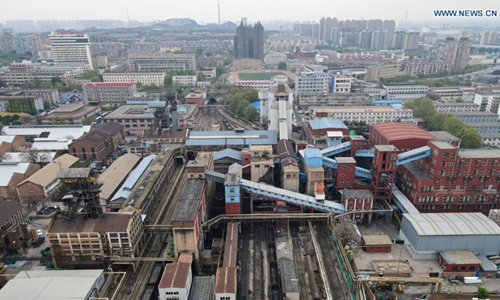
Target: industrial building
[(276, 107), (402, 136), (367, 114), (108, 93), (71, 113), (176, 281), (426, 234), (237, 139), (316, 130)]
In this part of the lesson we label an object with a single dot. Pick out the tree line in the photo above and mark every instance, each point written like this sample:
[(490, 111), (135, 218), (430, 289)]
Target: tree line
[(424, 108), (240, 103)]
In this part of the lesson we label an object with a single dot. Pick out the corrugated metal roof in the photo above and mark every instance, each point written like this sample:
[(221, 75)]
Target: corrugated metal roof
[(116, 173), (225, 281), (48, 174), (324, 123), (54, 285), (132, 178), (202, 288), (175, 275), (8, 170), (227, 153), (452, 224)]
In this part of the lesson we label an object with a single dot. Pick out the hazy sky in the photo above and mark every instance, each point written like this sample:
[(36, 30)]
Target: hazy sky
[(204, 11)]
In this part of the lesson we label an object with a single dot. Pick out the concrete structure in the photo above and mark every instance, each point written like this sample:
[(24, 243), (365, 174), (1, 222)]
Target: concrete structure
[(184, 80), (44, 182), (175, 283), (357, 201), (100, 61), (272, 59), (415, 67), (70, 46), (118, 233), (316, 131), (452, 180), (476, 116), (488, 37), (453, 107), (209, 73), (249, 41), (61, 284), (237, 139), (376, 243), (340, 83), (17, 74), (21, 104), (311, 82), (197, 98), (49, 96), (276, 106), (488, 102), (445, 136), (486, 127), (161, 62), (406, 92), (145, 78), (225, 283), (309, 100), (108, 93), (71, 113), (455, 51), (262, 163), (246, 64), (368, 114), (225, 158), (131, 116), (459, 261), (202, 288), (425, 234), (491, 139), (289, 166), (387, 70), (403, 136)]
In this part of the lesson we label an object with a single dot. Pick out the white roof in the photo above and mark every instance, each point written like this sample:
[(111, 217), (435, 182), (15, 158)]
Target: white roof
[(7, 138), (56, 132), (50, 144), (452, 224), (7, 170), (53, 285), (17, 157)]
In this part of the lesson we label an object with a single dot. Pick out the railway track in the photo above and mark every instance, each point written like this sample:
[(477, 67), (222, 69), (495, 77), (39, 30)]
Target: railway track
[(138, 281), (299, 261)]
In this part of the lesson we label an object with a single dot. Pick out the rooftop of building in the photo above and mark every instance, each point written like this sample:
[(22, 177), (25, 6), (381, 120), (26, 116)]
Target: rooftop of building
[(385, 148), (345, 160), (459, 257), (479, 153), (68, 108), (56, 285), (196, 163), (456, 104), (48, 173), (483, 124), (418, 172), (359, 109), (444, 136), (139, 111), (401, 131), (359, 194), (109, 84), (8, 169), (47, 131), (326, 123), (371, 240), (95, 137), (225, 281), (438, 224), (490, 135), (187, 205), (202, 288), (289, 280), (236, 155), (285, 148), (133, 177), (74, 173), (232, 138), (112, 222), (80, 223), (310, 152), (443, 145), (116, 173), (110, 128), (8, 209)]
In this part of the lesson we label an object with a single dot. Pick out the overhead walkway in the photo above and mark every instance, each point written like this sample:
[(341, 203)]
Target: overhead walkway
[(291, 197), (334, 150), (330, 163), (413, 155), (214, 176), (402, 202), (362, 172), (266, 217), (365, 153)]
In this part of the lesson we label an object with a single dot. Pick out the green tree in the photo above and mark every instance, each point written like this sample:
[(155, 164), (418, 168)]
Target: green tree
[(138, 85), (56, 79), (201, 76), (219, 70), (422, 107), (482, 292), (89, 74), (168, 80), (282, 65), (37, 82), (470, 137), (460, 100), (59, 121)]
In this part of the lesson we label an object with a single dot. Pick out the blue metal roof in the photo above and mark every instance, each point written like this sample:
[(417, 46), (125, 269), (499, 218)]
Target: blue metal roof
[(392, 101), (132, 178), (312, 152), (256, 104), (324, 123), (227, 153)]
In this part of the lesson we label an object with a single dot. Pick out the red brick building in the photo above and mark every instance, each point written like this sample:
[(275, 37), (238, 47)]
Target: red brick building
[(459, 261), (194, 98), (316, 130), (403, 136), (453, 180), (344, 176), (99, 143), (376, 243)]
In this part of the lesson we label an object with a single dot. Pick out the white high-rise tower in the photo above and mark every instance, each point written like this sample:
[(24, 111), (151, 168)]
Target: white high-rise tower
[(276, 104), (70, 46)]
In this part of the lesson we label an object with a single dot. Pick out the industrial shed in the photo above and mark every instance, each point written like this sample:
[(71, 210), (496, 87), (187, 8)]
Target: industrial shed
[(428, 233)]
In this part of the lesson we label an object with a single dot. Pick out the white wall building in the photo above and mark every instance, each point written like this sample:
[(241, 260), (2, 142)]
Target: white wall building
[(369, 114), (406, 92), (175, 282), (276, 105), (340, 83), (272, 59), (69, 46), (456, 107), (184, 80), (311, 82), (147, 78), (488, 102)]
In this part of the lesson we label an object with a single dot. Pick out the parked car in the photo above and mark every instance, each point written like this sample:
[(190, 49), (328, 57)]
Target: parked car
[(39, 233), (38, 242)]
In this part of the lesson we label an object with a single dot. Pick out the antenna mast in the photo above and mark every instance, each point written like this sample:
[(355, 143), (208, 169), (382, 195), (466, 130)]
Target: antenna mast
[(218, 9)]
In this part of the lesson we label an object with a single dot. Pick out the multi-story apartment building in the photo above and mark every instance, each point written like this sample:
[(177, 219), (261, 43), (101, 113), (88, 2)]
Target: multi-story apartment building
[(311, 82), (452, 180), (388, 70), (146, 78), (36, 43), (476, 116), (308, 100), (184, 80), (486, 127), (108, 93), (249, 41), (448, 93), (456, 107), (161, 62), (209, 73), (272, 59), (20, 74), (415, 67), (488, 102), (455, 51), (488, 37), (50, 96), (246, 64), (70, 46), (405, 40), (406, 92), (25, 104), (340, 83), (368, 114), (135, 116)]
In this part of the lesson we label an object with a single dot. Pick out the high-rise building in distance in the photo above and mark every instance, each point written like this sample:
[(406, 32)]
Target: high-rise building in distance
[(249, 41), (455, 51), (70, 46)]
